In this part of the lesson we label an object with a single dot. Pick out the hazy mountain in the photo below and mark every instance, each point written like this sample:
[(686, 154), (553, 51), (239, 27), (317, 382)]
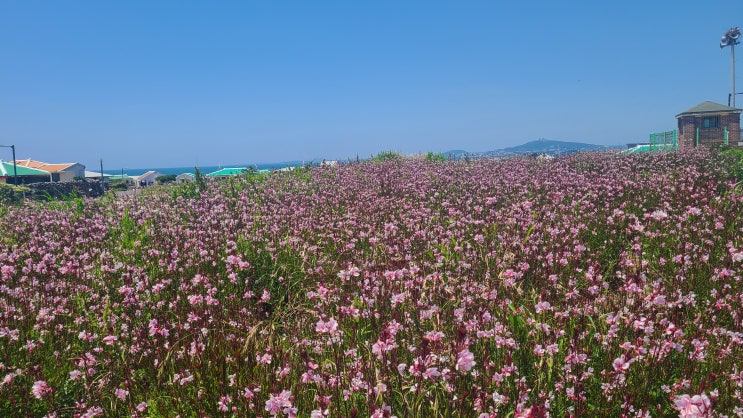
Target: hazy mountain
[(540, 146), (546, 146)]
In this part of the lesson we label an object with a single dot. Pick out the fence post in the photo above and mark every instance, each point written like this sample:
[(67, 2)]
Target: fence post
[(697, 144), (726, 136)]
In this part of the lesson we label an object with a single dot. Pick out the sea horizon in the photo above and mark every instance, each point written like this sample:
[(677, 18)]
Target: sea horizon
[(204, 169)]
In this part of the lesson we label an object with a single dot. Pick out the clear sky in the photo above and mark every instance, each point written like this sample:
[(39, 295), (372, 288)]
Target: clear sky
[(178, 83)]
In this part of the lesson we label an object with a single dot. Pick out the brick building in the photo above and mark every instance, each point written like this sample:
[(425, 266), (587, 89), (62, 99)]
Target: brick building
[(709, 124)]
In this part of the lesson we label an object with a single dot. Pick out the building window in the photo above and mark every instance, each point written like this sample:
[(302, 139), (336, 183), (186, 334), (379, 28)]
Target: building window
[(710, 122)]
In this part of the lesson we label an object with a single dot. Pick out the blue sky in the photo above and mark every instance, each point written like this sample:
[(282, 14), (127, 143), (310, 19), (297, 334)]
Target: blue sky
[(179, 83)]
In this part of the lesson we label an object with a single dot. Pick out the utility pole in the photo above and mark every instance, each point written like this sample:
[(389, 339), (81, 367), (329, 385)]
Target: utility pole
[(15, 167), (731, 39)]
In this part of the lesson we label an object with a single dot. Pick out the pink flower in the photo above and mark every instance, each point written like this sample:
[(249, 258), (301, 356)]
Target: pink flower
[(142, 407), (264, 359), (693, 211), (121, 393), (431, 373), (40, 389), (697, 406), (498, 398), (224, 402), (523, 413), (621, 364), (93, 412), (542, 306), (280, 403), (327, 327), (465, 360), (381, 347), (109, 340)]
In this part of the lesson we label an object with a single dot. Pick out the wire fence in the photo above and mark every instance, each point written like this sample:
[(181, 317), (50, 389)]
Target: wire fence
[(664, 140)]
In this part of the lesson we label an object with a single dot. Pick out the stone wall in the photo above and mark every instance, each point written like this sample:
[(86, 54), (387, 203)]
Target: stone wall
[(42, 191)]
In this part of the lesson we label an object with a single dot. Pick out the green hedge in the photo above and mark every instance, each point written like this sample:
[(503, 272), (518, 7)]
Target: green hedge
[(11, 195)]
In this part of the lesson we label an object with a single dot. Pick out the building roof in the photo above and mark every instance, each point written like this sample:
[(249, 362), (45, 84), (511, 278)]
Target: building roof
[(650, 148), (121, 177), (94, 174), (148, 174), (233, 171), (186, 174), (709, 107), (51, 168), (6, 170)]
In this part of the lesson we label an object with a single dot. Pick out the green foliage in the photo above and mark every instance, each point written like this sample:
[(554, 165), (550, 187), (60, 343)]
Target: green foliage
[(169, 178), (199, 180), (190, 189), (435, 157), (72, 202), (118, 185), (12, 195), (386, 156), (733, 160)]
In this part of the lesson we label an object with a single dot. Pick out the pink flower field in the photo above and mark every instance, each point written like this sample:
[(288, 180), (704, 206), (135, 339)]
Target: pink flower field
[(590, 285)]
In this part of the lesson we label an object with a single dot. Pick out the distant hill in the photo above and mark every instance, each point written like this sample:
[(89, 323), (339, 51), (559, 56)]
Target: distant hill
[(546, 146), (540, 146)]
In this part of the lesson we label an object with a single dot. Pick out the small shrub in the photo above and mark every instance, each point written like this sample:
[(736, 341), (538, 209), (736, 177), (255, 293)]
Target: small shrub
[(435, 157), (733, 159), (190, 189), (386, 156), (119, 186), (12, 195), (169, 178), (199, 179)]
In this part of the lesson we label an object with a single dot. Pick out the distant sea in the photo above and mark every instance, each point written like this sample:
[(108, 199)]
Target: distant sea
[(205, 169)]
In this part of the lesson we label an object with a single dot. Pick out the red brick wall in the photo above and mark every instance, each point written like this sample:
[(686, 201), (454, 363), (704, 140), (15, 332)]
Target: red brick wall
[(687, 131), (687, 126), (733, 124)]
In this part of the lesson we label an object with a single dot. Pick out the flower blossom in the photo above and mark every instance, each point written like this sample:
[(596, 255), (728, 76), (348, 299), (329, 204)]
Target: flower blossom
[(465, 360), (40, 389), (281, 403), (697, 406)]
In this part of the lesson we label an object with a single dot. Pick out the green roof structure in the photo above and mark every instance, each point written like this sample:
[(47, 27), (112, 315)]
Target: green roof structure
[(225, 172), (650, 148), (115, 177), (6, 170), (709, 107)]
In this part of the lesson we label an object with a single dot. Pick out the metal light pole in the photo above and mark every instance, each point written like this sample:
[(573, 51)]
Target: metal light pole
[(730, 97), (15, 169), (731, 39)]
